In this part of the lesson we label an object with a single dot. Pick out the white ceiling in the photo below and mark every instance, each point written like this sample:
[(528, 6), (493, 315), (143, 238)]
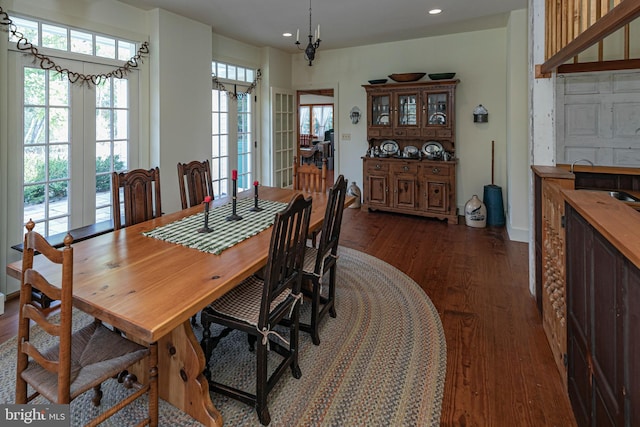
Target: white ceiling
[(343, 23)]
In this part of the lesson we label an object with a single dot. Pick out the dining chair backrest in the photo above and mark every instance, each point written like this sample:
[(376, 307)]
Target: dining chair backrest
[(60, 329), (321, 258), (194, 181), (140, 196), (286, 253), (310, 178), (332, 223)]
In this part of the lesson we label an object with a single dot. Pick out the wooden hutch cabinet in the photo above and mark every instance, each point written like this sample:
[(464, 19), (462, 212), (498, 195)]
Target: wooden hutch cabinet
[(411, 114)]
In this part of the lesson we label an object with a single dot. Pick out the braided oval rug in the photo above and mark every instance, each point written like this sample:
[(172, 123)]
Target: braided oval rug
[(381, 362)]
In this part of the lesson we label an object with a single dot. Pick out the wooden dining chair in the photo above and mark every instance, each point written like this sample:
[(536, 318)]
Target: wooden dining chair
[(195, 183), (308, 177), (141, 196), (322, 258), (77, 361), (257, 304)]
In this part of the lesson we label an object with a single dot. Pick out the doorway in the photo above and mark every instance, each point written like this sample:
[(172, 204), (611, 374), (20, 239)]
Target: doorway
[(316, 124)]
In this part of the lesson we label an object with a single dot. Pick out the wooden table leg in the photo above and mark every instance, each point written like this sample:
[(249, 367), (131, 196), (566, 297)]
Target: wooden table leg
[(180, 379)]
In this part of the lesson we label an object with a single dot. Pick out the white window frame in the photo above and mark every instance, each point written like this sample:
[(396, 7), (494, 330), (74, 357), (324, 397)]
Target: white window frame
[(83, 122), (241, 79)]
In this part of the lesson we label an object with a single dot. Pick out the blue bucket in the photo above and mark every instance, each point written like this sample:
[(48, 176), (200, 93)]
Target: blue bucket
[(493, 201)]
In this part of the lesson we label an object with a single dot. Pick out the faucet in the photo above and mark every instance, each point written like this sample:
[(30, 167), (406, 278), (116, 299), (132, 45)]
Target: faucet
[(580, 160)]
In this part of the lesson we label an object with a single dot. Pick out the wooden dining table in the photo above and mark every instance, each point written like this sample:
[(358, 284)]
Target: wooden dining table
[(150, 288)]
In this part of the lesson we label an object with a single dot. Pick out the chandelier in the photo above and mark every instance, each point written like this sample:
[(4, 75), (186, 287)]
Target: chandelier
[(310, 50)]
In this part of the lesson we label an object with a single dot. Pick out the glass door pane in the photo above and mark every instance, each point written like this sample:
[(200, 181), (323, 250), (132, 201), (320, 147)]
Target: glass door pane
[(46, 143), (220, 142), (244, 144), (380, 107), (407, 109), (283, 137), (437, 109), (112, 140)]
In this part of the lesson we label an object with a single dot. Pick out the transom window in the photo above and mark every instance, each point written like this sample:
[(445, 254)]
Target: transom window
[(59, 37)]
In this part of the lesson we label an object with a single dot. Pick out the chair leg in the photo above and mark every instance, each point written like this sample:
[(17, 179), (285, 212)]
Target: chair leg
[(261, 385), (205, 343), (21, 390), (332, 291), (153, 385), (315, 311), (252, 342), (208, 343), (97, 395), (293, 341)]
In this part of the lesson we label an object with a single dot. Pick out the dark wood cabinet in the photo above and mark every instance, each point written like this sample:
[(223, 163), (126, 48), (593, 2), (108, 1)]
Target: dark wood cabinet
[(603, 338), (631, 336)]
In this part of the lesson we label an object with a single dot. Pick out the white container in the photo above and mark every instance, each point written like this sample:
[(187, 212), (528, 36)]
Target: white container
[(354, 191), (475, 213)]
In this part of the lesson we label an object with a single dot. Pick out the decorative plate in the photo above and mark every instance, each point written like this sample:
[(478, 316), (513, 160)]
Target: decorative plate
[(432, 149), (377, 81), (383, 119), (411, 151), (389, 147), (437, 119)]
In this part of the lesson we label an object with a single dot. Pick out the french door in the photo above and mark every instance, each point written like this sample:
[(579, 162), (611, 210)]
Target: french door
[(67, 139), (231, 142), (283, 115)]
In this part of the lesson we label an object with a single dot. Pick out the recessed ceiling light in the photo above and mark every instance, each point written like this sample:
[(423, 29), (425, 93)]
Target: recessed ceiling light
[(286, 34), (435, 11)]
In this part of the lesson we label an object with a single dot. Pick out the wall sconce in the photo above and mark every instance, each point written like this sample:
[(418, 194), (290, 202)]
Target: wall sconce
[(354, 115), (480, 114)]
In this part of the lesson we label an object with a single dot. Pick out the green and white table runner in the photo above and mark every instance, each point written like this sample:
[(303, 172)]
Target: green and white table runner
[(225, 233)]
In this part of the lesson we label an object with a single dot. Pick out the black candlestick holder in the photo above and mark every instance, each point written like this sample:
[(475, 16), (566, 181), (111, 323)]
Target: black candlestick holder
[(206, 228), (234, 216), (255, 207)]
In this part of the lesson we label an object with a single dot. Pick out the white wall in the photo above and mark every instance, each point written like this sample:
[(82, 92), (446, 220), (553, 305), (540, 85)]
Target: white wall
[(517, 190), (492, 72), (180, 127)]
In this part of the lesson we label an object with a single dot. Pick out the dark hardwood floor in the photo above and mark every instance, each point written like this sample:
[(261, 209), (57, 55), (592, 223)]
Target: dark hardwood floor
[(500, 370)]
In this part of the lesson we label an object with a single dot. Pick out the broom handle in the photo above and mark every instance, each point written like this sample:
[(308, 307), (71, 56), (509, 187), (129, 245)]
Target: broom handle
[(492, 160)]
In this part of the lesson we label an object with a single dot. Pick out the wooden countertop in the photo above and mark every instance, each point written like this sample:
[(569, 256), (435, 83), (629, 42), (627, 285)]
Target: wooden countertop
[(617, 170), (618, 222), (562, 170), (552, 172)]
